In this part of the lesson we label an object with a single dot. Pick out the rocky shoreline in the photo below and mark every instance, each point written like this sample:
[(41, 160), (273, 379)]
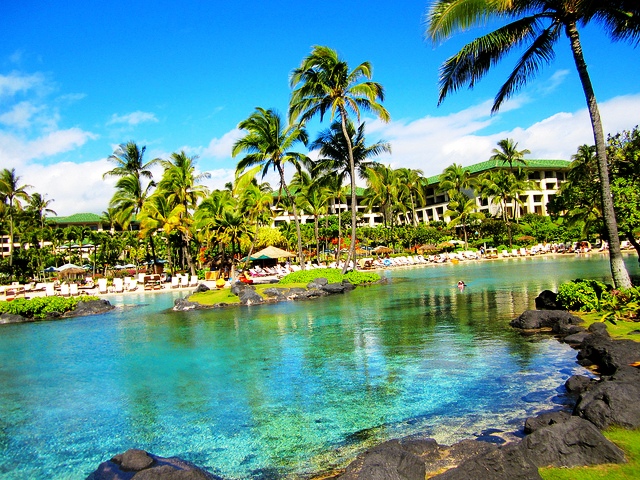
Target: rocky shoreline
[(558, 438), (84, 308)]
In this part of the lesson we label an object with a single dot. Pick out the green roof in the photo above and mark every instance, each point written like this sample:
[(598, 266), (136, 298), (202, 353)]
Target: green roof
[(77, 218), (491, 164)]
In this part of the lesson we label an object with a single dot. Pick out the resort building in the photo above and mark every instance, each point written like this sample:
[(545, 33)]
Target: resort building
[(547, 176)]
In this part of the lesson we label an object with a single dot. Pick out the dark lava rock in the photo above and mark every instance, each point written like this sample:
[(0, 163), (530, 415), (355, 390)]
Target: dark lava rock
[(7, 318), (201, 288), (575, 442), (137, 464), (608, 354), (537, 319), (548, 300), (184, 305), (91, 307), (280, 294), (576, 338), (532, 424), (249, 296), (598, 328), (333, 288), (348, 286), (318, 283), (239, 287), (508, 462), (577, 384), (611, 402)]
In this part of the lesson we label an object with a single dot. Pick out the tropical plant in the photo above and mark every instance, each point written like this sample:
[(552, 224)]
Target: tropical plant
[(39, 207), (508, 154), (454, 179), (412, 181), (536, 26), (12, 194), (462, 211), (268, 143), (323, 83)]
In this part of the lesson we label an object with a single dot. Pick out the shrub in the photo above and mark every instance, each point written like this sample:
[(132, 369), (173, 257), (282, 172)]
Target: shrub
[(623, 304), (333, 275), (583, 295), (40, 307)]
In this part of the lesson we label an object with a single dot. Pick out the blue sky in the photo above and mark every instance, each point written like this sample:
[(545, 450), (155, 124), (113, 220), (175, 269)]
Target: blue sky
[(78, 78)]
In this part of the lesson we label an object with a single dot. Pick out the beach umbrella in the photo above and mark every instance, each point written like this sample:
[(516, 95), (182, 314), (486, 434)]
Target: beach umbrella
[(70, 269), (382, 249), (272, 253)]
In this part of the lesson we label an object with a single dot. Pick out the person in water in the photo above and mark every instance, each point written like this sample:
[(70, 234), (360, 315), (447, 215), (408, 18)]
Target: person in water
[(461, 285)]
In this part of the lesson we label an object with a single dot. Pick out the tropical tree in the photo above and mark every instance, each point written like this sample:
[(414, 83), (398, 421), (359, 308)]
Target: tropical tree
[(181, 184), (313, 198), (454, 179), (536, 25), (129, 160), (412, 181), (268, 143), (323, 83), (160, 215), (508, 154), (129, 199), (462, 211), (383, 186), (39, 207), (12, 194)]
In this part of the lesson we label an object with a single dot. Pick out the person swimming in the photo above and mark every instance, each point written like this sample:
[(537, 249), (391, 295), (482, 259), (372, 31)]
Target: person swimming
[(461, 285)]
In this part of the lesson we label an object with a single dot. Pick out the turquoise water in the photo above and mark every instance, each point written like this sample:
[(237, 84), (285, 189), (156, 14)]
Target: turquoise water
[(283, 390)]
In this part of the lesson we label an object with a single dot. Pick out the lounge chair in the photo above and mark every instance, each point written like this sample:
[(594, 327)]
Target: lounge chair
[(505, 253), (133, 285), (49, 290), (194, 281), (175, 282), (73, 290), (184, 281), (118, 285), (64, 290), (102, 285)]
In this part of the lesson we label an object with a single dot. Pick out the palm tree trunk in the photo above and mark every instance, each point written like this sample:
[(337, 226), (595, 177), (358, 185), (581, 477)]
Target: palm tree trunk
[(339, 234), (618, 269), (317, 232), (354, 196), (187, 254), (295, 217)]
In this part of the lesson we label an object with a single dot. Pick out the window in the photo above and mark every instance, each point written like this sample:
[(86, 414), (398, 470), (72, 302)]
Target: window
[(537, 198), (534, 176)]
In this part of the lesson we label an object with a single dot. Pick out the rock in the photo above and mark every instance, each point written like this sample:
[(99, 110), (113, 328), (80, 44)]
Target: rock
[(296, 292), (575, 442), (135, 460), (532, 424), (611, 402), (348, 286), (508, 462), (280, 294), (239, 287), (537, 319), (547, 300), (333, 288), (576, 338), (249, 296), (184, 305), (598, 328), (577, 384), (148, 467), (318, 283), (7, 318), (608, 354), (201, 288), (90, 307)]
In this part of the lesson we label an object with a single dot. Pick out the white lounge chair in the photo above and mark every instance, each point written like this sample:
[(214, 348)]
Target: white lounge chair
[(194, 281), (118, 285), (64, 290), (133, 285), (184, 281), (49, 290), (175, 282), (102, 285), (73, 290)]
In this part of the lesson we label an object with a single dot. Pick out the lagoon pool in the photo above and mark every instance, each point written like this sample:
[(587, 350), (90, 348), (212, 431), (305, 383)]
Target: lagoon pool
[(281, 391)]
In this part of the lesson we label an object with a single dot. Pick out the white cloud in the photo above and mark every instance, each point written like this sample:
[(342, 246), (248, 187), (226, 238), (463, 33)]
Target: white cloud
[(20, 115), (16, 151), (433, 143), (15, 82), (134, 118), (221, 147)]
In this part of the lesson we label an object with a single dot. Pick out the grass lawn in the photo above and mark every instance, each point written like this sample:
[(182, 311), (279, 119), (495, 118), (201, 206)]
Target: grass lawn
[(619, 331), (627, 440)]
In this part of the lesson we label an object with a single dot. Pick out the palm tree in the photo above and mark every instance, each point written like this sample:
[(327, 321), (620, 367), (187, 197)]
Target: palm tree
[(383, 187), (180, 183), (11, 194), (39, 206), (159, 215), (454, 179), (323, 83), (462, 211), (413, 182), (267, 143), (537, 25), (129, 199), (508, 153), (313, 199), (129, 160)]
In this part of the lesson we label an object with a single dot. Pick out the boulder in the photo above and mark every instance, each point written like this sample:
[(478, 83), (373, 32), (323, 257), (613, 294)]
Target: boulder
[(318, 283), (201, 288), (577, 384), (90, 307), (537, 319), (249, 296), (548, 300), (532, 424), (239, 287), (576, 338), (575, 442), (280, 294), (499, 464), (348, 286), (140, 465), (333, 288), (184, 305), (610, 355), (598, 328), (611, 402), (7, 318)]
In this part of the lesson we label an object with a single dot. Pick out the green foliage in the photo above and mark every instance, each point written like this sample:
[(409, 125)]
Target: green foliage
[(623, 304), (583, 295), (40, 307), (333, 275)]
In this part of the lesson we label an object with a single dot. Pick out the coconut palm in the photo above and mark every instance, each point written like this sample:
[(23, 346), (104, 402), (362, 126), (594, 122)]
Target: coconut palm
[(383, 186), (129, 199), (323, 83), (454, 179), (39, 206), (413, 182), (268, 143), (129, 160), (508, 154), (12, 194), (160, 215), (180, 183), (313, 199), (462, 211), (537, 26)]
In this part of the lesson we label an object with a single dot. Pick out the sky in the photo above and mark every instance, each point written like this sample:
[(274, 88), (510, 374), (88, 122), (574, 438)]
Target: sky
[(78, 78)]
